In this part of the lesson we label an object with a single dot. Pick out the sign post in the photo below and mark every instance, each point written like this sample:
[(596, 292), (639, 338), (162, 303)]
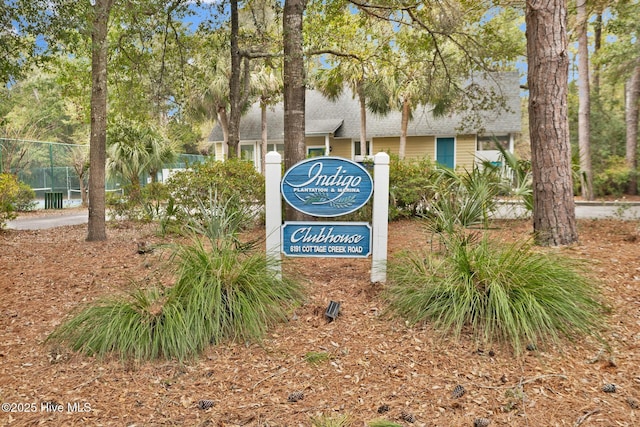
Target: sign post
[(273, 206), (380, 218)]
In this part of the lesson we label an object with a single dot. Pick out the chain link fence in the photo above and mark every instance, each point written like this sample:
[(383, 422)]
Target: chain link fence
[(58, 172)]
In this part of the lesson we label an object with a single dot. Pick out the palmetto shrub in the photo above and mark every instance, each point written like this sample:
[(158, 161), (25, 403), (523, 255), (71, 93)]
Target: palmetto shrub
[(223, 290), (462, 199), (503, 292), (516, 177)]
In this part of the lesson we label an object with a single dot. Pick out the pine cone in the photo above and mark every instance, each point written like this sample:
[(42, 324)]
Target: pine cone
[(458, 392), (205, 404), (609, 388), (295, 396), (383, 408), (406, 416), (481, 422), (143, 248)]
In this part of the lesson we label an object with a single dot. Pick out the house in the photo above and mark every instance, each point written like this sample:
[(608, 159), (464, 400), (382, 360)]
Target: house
[(333, 128)]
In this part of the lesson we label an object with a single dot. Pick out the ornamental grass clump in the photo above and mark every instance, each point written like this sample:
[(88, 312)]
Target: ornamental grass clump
[(144, 324), (228, 289), (503, 292), (224, 290), (231, 294)]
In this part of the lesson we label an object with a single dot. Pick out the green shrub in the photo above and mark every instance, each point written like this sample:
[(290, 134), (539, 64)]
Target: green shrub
[(231, 179), (14, 196), (228, 290), (121, 206), (8, 194), (147, 203), (223, 290), (25, 199), (612, 181), (154, 199), (227, 294), (410, 186), (503, 292)]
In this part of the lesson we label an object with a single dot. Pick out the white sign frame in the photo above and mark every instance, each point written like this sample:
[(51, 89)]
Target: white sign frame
[(379, 223)]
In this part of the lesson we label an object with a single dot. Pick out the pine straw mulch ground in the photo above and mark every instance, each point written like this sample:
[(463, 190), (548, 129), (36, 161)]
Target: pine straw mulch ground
[(377, 367)]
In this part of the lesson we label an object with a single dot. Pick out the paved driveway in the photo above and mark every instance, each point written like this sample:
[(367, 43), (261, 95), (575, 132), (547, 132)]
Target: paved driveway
[(615, 210), (56, 219), (584, 210)]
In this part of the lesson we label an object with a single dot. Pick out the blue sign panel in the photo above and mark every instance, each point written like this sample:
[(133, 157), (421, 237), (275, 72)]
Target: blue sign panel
[(329, 239), (327, 186)]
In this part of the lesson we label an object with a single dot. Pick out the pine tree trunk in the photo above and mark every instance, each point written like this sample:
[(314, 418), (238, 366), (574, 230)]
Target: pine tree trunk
[(548, 61), (584, 103), (96, 229), (294, 90), (631, 119)]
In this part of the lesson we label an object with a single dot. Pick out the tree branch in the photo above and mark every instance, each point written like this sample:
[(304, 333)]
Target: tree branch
[(335, 53)]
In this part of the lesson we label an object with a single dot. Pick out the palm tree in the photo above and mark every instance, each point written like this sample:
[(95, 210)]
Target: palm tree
[(349, 73), (267, 83), (135, 149), (400, 88), (353, 63), (584, 101), (405, 81), (209, 98)]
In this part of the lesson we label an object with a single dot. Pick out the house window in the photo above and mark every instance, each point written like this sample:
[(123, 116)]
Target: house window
[(315, 151), (247, 153), (356, 148), (491, 142), (276, 147)]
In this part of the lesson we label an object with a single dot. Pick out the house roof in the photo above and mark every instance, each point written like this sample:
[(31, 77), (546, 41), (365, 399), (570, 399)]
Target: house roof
[(341, 117)]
